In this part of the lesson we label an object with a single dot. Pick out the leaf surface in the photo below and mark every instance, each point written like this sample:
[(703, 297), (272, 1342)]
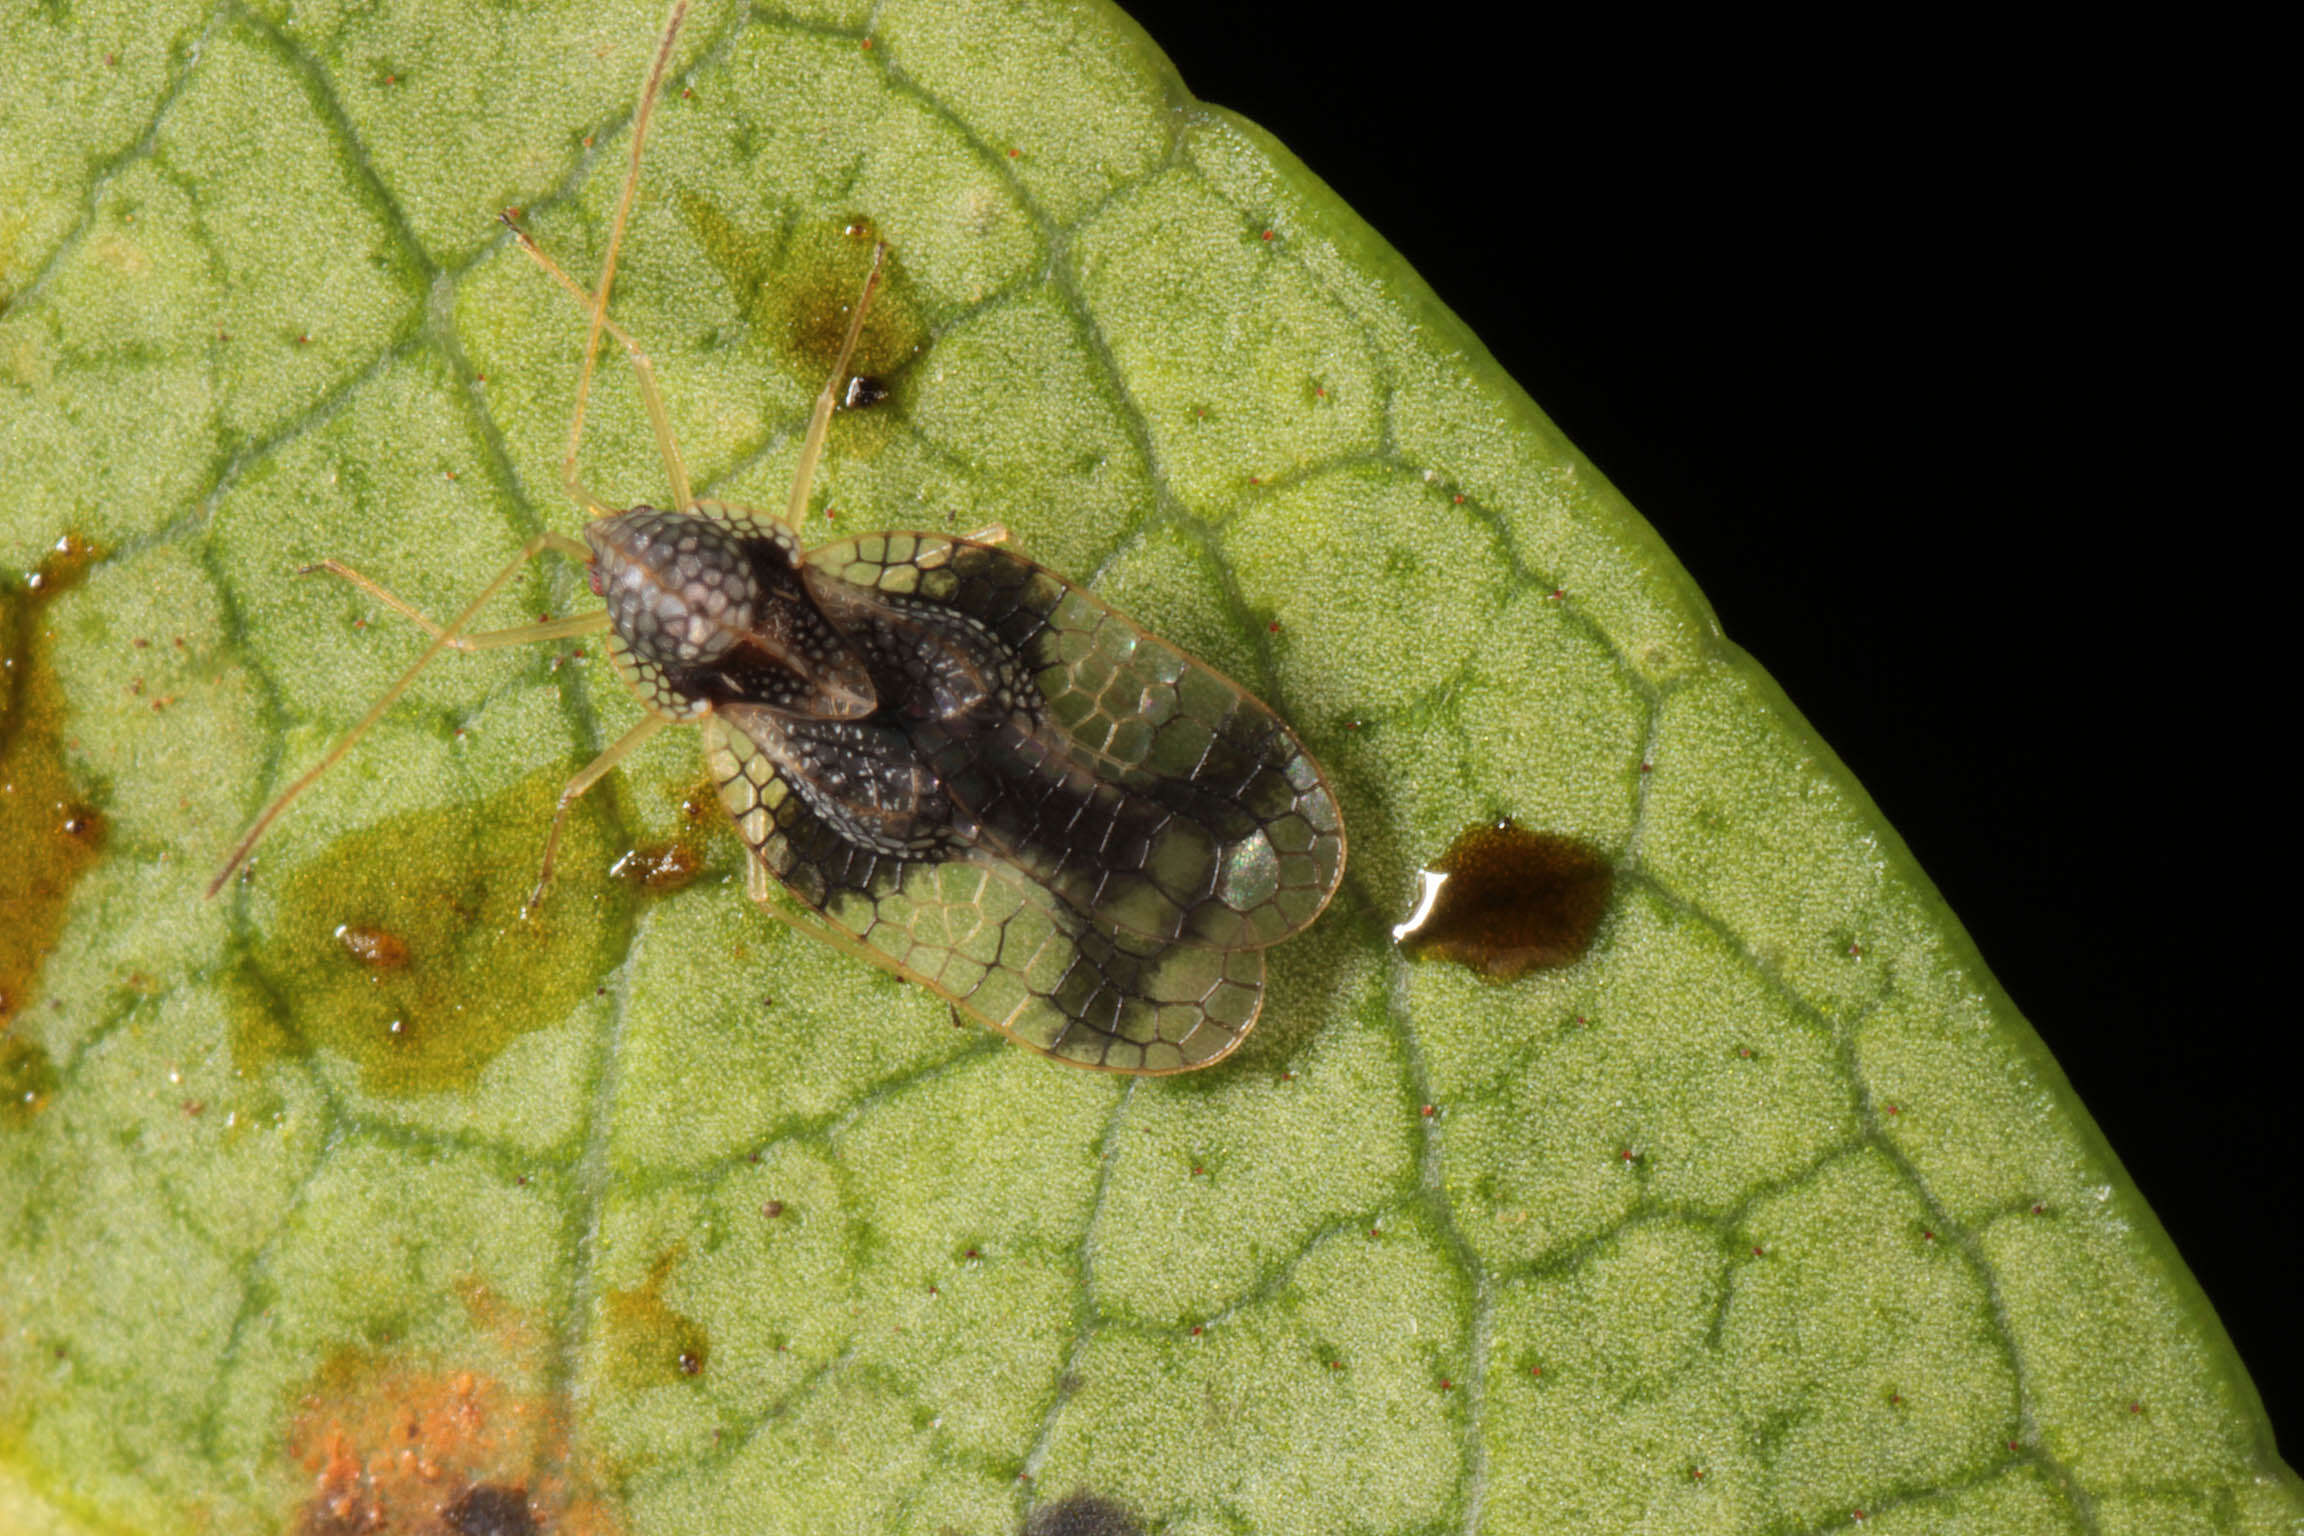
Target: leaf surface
[(347, 1193)]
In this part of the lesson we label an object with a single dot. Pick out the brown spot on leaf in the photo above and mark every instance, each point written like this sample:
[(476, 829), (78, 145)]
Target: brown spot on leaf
[(661, 867), (27, 1078), (376, 948), (49, 834), (1504, 900), (490, 1509), (646, 1342), (391, 1448), (1083, 1514), (798, 288), (472, 974), (699, 802)]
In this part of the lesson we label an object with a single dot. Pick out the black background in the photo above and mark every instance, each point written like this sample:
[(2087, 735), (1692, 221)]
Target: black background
[(1916, 351)]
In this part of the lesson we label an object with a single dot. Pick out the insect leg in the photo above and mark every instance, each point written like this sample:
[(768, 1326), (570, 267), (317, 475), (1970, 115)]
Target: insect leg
[(599, 299), (440, 642), (642, 369), (487, 639), (820, 419), (624, 746)]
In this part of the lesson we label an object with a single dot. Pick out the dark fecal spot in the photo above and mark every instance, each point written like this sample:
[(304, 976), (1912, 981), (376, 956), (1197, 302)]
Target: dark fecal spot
[(27, 1078), (445, 887), (375, 948), (660, 867), (700, 802), (798, 290), (864, 391), (1083, 1514), (1508, 901), (49, 834), (647, 1343), (490, 1509)]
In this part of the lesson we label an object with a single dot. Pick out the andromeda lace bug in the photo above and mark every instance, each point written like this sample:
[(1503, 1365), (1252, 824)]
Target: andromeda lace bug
[(942, 757)]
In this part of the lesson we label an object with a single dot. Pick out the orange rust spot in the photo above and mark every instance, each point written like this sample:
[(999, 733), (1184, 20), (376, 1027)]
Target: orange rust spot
[(49, 834), (393, 1448)]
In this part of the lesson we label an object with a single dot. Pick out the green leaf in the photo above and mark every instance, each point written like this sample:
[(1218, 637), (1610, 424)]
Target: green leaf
[(347, 1197)]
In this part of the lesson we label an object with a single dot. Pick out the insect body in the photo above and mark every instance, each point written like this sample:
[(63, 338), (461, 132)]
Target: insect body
[(982, 776), (954, 762)]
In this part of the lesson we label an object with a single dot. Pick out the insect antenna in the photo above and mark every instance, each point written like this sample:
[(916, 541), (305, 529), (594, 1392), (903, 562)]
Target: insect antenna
[(640, 119), (650, 395)]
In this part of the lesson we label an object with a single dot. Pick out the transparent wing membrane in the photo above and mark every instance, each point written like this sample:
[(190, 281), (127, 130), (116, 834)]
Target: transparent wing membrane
[(988, 938)]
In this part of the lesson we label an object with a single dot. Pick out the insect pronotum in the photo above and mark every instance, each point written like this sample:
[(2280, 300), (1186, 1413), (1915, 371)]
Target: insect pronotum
[(950, 761)]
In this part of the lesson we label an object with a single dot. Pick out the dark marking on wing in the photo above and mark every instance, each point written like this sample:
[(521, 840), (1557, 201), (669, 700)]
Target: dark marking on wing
[(1142, 787), (1066, 826), (989, 939)]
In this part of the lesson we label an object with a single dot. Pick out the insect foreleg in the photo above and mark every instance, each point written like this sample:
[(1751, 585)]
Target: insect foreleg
[(487, 639), (623, 747), (440, 642)]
